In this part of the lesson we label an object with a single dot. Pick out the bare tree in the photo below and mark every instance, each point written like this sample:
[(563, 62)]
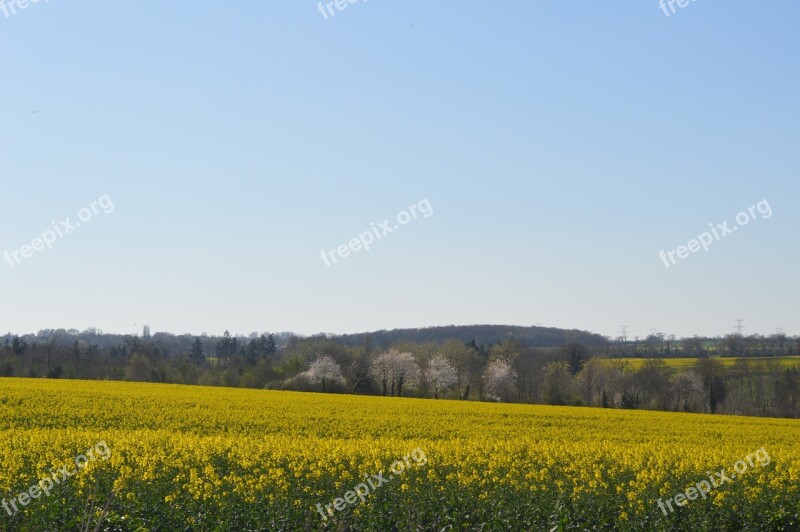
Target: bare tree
[(688, 391), (787, 393), (468, 361), (711, 371), (778, 341), (653, 379), (693, 347), (558, 384), (594, 381)]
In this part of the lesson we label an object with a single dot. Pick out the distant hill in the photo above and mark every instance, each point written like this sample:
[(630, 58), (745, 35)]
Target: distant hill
[(482, 334)]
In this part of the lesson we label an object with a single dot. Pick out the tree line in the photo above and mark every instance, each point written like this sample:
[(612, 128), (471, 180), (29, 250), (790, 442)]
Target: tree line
[(508, 370)]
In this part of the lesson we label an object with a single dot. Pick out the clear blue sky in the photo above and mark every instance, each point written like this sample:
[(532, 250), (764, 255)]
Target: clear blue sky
[(561, 146)]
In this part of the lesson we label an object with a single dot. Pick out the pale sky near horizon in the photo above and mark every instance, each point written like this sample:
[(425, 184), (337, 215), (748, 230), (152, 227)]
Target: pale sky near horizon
[(560, 145)]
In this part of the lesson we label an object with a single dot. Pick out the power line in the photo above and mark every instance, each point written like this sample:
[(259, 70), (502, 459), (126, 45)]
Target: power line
[(739, 327)]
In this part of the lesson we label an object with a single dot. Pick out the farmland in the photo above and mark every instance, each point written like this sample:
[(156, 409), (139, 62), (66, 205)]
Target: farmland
[(197, 458), (682, 363)]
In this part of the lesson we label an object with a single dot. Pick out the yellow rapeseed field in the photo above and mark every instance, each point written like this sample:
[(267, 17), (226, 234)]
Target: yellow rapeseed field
[(683, 363), (196, 458)]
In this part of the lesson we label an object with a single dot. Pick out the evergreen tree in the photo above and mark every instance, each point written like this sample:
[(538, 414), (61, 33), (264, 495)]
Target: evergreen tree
[(196, 354)]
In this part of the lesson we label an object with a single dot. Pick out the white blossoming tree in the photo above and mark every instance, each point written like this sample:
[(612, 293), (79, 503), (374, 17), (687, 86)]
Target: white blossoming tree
[(395, 371), (499, 380), (441, 375), (325, 370)]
